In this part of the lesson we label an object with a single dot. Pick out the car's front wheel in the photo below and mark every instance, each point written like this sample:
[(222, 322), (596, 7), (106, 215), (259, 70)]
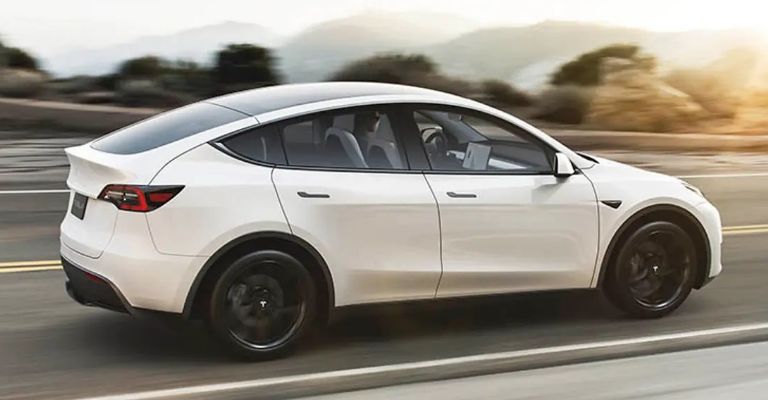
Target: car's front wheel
[(653, 271), (262, 304)]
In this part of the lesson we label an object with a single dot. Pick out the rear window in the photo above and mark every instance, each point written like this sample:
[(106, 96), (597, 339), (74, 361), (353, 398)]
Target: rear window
[(166, 128)]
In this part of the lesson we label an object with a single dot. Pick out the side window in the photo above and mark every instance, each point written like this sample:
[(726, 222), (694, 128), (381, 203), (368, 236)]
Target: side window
[(362, 139), (458, 142), (259, 144)]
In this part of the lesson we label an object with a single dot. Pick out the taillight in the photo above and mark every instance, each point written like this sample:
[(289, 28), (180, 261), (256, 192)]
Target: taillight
[(139, 198)]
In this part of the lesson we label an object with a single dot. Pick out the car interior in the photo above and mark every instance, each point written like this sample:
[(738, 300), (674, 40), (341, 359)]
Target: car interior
[(455, 142), (360, 140)]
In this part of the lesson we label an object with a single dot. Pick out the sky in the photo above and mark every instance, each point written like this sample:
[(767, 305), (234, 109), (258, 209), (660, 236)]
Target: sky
[(52, 26)]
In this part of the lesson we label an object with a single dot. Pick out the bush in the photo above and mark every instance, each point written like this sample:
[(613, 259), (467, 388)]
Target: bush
[(245, 65), (74, 85), (414, 70), (564, 104), (710, 90), (188, 77), (585, 70), (500, 92), (147, 67), (389, 68), (144, 93), (21, 83), (107, 82), (20, 59)]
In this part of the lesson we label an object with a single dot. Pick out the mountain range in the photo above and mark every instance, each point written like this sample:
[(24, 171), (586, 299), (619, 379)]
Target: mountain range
[(523, 55)]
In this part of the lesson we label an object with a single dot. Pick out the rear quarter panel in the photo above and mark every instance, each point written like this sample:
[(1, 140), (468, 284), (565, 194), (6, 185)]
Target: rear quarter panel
[(223, 198)]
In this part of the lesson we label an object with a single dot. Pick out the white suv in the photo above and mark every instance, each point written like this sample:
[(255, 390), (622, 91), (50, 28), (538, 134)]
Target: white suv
[(266, 210)]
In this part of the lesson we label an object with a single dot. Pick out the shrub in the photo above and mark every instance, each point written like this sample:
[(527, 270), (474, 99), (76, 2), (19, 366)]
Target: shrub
[(21, 83), (710, 90), (414, 70), (20, 59), (585, 69), (245, 65), (564, 104), (388, 68), (188, 77), (147, 67), (144, 93), (501, 92)]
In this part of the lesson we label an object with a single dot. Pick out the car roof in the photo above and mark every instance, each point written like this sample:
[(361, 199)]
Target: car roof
[(273, 98)]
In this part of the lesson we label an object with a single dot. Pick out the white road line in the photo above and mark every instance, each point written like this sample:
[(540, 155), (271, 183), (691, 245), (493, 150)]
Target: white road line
[(705, 176), (415, 366), (42, 191)]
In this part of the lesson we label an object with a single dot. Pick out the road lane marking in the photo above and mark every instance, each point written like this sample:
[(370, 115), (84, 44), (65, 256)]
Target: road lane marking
[(725, 175), (29, 263), (42, 191), (745, 229), (29, 266), (415, 367), (30, 269), (49, 265)]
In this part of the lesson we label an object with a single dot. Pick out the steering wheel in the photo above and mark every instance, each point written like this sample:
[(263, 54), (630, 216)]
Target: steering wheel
[(435, 140)]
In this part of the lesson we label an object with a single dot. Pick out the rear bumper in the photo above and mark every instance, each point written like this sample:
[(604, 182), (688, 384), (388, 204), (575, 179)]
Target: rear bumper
[(141, 277), (90, 289)]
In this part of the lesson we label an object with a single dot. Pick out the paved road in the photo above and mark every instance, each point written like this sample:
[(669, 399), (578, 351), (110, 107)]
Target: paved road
[(732, 372), (53, 348)]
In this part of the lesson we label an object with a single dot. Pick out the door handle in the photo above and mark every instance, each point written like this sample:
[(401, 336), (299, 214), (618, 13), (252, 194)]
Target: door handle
[(461, 195), (313, 195)]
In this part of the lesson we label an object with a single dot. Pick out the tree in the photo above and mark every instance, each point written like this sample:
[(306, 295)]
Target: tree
[(147, 67), (585, 69), (390, 68), (18, 58), (239, 64)]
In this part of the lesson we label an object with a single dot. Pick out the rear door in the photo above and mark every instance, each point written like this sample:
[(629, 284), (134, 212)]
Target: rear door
[(347, 190)]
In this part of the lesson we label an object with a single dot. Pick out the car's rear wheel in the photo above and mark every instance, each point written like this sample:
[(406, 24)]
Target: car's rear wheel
[(653, 271), (262, 304)]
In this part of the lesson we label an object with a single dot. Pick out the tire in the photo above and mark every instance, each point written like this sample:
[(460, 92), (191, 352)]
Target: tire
[(262, 305), (653, 271)]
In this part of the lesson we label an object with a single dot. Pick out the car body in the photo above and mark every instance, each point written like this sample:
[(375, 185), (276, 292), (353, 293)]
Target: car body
[(382, 192)]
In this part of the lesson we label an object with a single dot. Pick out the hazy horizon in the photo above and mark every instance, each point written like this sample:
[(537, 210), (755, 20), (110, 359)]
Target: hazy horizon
[(74, 23)]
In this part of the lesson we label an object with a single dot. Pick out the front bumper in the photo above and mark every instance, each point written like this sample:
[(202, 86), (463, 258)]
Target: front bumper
[(710, 220)]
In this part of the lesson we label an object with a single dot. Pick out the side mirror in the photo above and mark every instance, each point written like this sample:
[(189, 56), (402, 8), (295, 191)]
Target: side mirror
[(563, 166)]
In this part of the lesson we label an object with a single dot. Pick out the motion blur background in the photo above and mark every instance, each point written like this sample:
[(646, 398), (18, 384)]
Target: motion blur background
[(83, 68), (677, 86)]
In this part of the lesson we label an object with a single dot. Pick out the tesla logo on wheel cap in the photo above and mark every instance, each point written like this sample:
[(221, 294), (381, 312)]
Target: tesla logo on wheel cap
[(263, 303)]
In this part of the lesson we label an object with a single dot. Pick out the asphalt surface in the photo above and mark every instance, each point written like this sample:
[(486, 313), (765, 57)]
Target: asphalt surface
[(732, 372), (51, 347)]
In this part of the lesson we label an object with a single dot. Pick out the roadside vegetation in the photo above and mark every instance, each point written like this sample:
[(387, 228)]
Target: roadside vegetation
[(617, 87)]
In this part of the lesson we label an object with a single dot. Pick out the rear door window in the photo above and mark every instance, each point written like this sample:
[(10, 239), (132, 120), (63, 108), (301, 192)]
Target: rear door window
[(347, 139), (166, 128)]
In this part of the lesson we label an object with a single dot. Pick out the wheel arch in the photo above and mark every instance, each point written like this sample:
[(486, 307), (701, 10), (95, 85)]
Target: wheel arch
[(281, 241), (662, 212)]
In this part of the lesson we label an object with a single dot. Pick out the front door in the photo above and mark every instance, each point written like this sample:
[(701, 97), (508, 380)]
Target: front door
[(507, 223)]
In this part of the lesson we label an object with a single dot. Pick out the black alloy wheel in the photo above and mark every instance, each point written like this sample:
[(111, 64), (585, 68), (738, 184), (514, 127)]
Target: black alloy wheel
[(262, 304), (654, 270)]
